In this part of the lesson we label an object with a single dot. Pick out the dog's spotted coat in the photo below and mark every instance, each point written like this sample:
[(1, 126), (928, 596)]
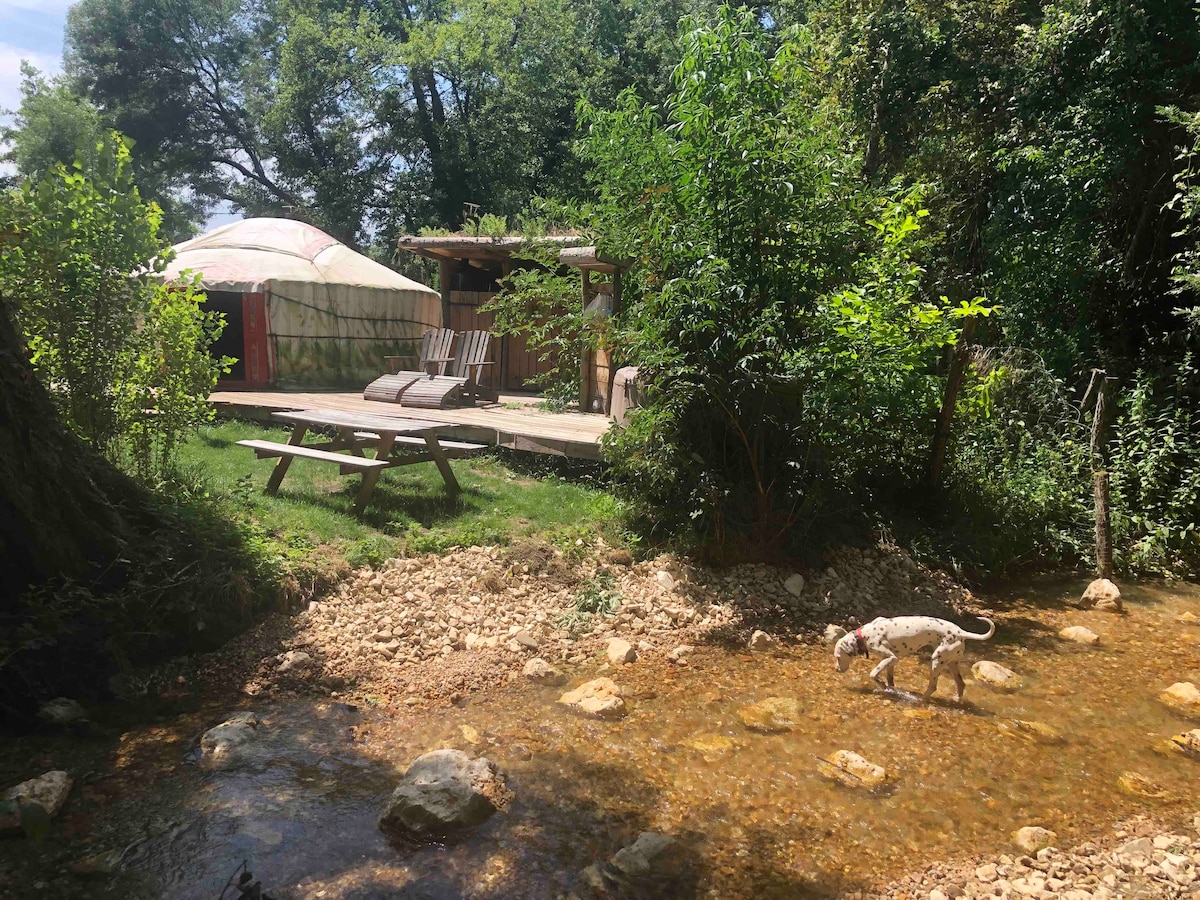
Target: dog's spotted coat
[(903, 636)]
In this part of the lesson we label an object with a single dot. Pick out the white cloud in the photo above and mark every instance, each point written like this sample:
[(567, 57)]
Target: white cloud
[(10, 71), (42, 6)]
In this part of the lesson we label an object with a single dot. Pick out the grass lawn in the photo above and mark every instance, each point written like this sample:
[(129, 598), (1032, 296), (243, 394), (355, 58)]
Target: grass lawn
[(409, 510)]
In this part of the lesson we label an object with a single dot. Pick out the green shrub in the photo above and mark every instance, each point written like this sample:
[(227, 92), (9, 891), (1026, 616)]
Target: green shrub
[(125, 359), (1154, 467)]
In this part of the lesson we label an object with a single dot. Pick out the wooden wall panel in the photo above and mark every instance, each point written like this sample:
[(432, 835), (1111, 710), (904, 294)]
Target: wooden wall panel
[(522, 363)]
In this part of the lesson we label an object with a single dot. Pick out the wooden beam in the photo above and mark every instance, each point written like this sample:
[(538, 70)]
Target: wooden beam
[(506, 341), (445, 279), (590, 258)]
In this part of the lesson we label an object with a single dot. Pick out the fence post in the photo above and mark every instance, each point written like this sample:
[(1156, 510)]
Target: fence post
[(1101, 383)]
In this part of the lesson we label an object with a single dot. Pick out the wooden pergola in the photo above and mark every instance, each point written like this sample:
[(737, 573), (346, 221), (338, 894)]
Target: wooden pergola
[(495, 256)]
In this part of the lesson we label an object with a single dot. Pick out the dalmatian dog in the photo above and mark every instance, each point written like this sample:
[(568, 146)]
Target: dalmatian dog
[(903, 636)]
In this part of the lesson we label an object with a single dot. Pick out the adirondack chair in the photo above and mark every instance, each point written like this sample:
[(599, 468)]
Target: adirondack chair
[(428, 387), (469, 362), (436, 344)]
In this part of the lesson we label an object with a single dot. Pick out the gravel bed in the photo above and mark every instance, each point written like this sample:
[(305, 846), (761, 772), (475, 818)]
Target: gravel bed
[(437, 627), (1142, 858)]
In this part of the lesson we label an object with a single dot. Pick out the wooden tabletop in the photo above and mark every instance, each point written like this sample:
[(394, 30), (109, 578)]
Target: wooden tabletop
[(362, 421)]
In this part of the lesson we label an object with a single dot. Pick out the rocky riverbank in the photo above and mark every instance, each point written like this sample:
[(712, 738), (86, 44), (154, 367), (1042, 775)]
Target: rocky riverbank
[(1141, 858), (440, 627)]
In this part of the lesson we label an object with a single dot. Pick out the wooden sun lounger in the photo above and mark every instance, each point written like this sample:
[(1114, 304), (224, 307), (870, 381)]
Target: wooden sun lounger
[(436, 346), (468, 364)]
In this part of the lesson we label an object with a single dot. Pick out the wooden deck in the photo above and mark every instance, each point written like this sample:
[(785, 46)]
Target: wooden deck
[(513, 422)]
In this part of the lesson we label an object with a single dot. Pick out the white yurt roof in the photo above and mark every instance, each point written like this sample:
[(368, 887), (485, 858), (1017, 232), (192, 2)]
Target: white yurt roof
[(250, 255)]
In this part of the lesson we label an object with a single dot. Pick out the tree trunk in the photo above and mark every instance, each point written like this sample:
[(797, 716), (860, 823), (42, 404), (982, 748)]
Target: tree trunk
[(941, 434)]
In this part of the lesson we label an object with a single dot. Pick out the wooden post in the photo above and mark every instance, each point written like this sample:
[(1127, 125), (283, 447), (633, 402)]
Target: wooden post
[(941, 435), (506, 341), (1104, 564), (585, 362), (445, 280), (1101, 383)]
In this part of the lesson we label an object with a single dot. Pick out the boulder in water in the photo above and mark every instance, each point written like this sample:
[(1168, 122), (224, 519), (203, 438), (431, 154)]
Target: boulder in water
[(651, 855), (537, 669), (1140, 786), (599, 697), (852, 770), (62, 712), (650, 866), (1185, 744), (1031, 732), (620, 651), (1183, 697), (774, 714), (1102, 594), (760, 641), (1077, 634), (711, 744), (225, 744), (442, 794), (47, 791), (995, 675), (1188, 618), (1033, 838)]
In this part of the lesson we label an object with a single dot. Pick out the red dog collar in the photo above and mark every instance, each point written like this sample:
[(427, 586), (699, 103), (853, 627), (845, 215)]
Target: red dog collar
[(862, 642)]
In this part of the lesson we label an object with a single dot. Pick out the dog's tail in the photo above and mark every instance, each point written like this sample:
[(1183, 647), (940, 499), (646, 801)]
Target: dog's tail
[(972, 636)]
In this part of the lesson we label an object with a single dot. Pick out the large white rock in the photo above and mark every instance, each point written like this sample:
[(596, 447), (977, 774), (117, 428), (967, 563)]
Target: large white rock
[(645, 857), (833, 634), (1102, 594), (1033, 838), (443, 793), (995, 675), (537, 669), (1077, 634), (1183, 697), (48, 791), (664, 578), (62, 711), (620, 651), (226, 743), (294, 659), (771, 715), (1186, 743), (677, 655), (760, 642), (599, 697), (853, 770)]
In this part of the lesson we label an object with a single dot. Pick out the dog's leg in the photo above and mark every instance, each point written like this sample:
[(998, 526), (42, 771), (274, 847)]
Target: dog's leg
[(886, 665), (935, 672), (951, 655), (958, 682)]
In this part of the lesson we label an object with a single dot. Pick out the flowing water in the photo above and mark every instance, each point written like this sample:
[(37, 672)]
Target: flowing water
[(756, 816)]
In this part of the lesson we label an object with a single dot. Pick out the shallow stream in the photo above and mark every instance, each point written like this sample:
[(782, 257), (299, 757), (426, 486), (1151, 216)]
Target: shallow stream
[(757, 817)]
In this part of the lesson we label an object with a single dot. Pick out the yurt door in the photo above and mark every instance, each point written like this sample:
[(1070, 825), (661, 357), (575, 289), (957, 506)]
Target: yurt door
[(244, 338)]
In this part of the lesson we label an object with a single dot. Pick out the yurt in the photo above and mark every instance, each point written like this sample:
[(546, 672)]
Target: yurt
[(302, 309)]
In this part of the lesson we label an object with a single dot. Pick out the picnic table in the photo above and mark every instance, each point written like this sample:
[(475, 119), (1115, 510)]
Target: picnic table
[(396, 442)]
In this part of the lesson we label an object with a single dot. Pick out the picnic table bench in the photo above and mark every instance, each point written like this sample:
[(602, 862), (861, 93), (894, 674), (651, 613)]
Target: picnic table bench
[(396, 441)]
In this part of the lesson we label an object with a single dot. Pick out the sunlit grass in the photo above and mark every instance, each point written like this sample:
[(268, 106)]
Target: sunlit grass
[(409, 508)]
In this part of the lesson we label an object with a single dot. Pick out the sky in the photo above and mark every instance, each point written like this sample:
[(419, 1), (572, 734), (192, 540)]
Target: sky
[(32, 30)]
